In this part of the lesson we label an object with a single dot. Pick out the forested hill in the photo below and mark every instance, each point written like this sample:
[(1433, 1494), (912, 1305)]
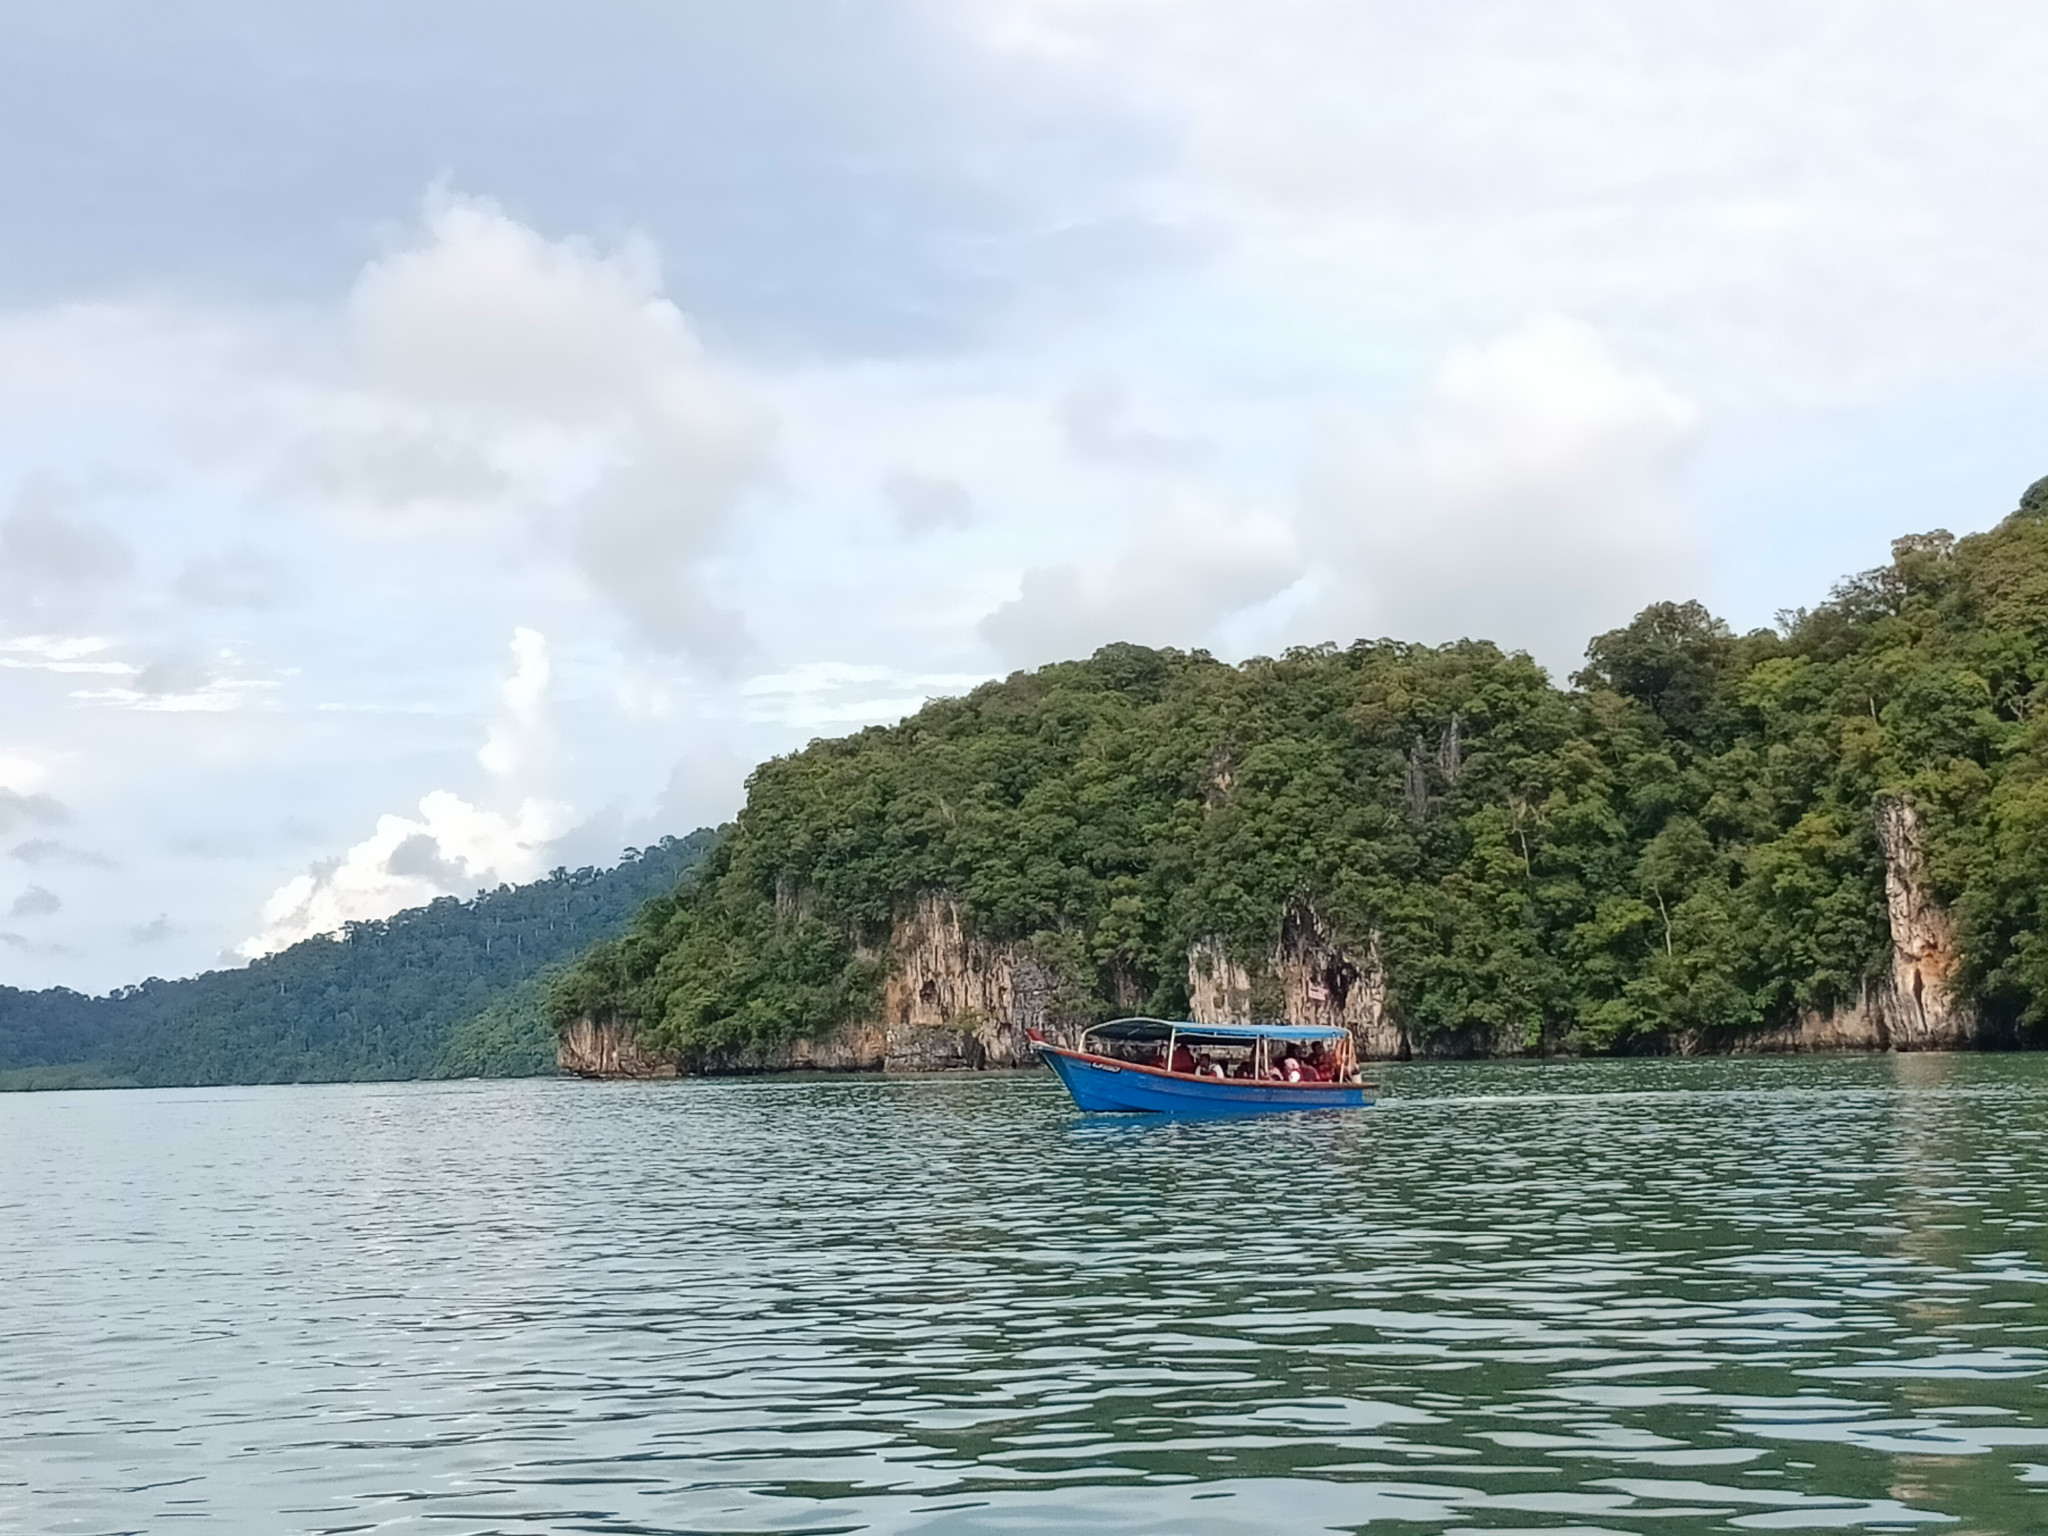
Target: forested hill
[(449, 989), (1685, 839)]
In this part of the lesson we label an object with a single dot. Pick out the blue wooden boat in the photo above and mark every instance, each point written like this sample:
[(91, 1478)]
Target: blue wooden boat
[(1161, 1066)]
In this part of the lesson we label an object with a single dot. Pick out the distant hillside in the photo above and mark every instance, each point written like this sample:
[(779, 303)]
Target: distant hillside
[(1835, 830), (447, 990)]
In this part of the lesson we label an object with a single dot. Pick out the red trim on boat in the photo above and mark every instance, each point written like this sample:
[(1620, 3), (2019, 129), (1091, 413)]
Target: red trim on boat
[(1043, 1044)]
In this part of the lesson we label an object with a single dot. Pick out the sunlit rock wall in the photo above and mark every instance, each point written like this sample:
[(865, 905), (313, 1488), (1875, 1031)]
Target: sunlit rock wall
[(951, 1000), (1219, 988), (1914, 1005), (606, 1048), (1921, 1011), (1310, 977), (611, 1048)]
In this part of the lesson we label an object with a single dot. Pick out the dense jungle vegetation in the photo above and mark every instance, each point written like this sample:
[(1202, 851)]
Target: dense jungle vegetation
[(1684, 838), (453, 989)]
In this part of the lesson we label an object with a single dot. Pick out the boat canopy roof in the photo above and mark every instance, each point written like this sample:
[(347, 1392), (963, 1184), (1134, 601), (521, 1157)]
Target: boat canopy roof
[(1159, 1029)]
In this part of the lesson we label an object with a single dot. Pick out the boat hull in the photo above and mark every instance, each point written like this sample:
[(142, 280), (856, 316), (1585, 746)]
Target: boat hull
[(1120, 1087)]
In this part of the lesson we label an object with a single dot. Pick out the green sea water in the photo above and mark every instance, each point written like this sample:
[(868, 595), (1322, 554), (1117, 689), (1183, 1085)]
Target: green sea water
[(1656, 1297)]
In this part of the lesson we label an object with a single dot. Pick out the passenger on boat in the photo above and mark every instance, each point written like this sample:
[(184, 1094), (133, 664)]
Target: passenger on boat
[(1183, 1061), (1290, 1069)]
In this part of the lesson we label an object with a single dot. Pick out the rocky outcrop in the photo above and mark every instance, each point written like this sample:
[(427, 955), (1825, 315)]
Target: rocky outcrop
[(1914, 1005), (850, 1048), (1854, 1028), (1219, 989), (611, 1048), (607, 1048), (1310, 977), (951, 1000), (1323, 982), (1920, 1008), (1316, 978)]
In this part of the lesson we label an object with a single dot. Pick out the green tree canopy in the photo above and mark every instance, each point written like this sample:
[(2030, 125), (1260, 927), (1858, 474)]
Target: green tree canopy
[(1684, 839), (448, 989)]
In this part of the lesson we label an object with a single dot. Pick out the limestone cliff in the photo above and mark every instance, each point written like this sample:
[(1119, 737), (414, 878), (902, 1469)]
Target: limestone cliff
[(954, 999), (1219, 988), (1309, 977), (611, 1048), (1323, 982), (606, 1048), (1914, 1005), (950, 1000), (1922, 1011)]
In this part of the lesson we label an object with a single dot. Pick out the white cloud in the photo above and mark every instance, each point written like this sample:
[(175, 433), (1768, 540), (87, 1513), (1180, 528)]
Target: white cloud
[(55, 649), (57, 560), (482, 392), (52, 653), (23, 773), (1182, 576), (495, 332), (372, 455), (705, 788), (490, 425), (450, 848), (517, 745), (839, 696), (1531, 500), (155, 931), (483, 314), (1831, 202), (178, 685), (176, 682)]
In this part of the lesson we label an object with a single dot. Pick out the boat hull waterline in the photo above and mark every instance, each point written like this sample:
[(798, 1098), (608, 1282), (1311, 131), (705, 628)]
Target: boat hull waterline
[(1098, 1084)]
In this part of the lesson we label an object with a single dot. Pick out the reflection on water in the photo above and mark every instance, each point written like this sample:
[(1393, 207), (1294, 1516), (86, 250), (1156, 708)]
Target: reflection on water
[(1663, 1296)]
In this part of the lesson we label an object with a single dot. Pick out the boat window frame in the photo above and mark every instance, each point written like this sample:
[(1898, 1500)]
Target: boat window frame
[(1259, 1044)]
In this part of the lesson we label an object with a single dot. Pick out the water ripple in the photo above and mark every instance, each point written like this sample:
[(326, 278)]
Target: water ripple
[(1606, 1297)]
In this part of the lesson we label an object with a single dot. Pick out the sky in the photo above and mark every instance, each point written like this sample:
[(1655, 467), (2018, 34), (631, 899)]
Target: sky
[(445, 441)]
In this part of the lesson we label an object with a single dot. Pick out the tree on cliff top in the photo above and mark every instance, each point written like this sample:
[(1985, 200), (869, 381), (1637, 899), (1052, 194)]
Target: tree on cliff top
[(1672, 658)]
